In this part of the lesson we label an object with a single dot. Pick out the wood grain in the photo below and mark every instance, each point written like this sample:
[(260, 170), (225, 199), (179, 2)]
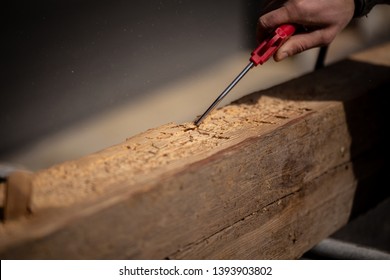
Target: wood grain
[(265, 177)]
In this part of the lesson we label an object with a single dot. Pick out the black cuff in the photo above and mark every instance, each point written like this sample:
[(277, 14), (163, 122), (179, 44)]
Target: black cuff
[(363, 7)]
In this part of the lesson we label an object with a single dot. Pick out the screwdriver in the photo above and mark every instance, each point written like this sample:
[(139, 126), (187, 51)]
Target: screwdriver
[(260, 55)]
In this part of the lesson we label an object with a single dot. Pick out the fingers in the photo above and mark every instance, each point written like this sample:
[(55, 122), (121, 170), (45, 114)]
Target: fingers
[(321, 21), (272, 20), (302, 42), (299, 42)]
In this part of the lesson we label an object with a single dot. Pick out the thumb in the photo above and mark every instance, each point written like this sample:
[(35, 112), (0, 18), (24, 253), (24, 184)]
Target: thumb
[(302, 42)]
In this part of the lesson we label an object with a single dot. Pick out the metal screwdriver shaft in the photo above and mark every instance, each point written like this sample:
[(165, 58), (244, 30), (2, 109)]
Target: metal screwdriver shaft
[(260, 55), (224, 93)]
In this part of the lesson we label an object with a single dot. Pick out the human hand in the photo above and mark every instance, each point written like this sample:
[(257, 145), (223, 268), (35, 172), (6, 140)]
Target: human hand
[(321, 19)]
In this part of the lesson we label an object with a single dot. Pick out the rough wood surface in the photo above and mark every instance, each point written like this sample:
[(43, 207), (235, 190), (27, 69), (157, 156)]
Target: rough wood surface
[(265, 177)]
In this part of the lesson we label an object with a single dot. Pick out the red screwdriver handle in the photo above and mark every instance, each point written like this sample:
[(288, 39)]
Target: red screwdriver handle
[(269, 46)]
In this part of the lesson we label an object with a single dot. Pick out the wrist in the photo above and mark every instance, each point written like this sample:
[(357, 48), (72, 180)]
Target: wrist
[(363, 7)]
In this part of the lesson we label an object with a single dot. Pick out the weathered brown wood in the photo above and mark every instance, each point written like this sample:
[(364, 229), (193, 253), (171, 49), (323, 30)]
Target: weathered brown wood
[(266, 177), (17, 195), (2, 193), (2, 198)]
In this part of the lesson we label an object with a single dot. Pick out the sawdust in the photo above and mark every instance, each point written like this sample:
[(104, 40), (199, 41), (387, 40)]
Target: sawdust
[(148, 155)]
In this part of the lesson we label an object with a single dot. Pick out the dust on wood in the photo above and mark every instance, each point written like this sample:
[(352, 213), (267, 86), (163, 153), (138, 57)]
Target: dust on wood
[(166, 148)]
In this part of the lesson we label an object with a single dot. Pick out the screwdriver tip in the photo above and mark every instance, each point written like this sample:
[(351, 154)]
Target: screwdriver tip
[(197, 122), (224, 93)]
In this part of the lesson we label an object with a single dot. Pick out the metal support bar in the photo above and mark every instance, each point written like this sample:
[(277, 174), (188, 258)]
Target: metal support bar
[(340, 250)]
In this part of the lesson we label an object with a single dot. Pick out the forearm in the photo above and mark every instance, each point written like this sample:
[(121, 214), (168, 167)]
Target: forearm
[(363, 7)]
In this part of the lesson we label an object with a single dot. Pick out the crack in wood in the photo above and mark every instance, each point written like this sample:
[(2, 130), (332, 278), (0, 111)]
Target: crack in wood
[(263, 209), (277, 202)]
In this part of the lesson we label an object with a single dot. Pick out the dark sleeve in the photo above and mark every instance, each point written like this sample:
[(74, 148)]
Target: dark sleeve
[(363, 7)]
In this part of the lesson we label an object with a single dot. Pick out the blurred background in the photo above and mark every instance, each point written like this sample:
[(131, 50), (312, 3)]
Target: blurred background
[(79, 76)]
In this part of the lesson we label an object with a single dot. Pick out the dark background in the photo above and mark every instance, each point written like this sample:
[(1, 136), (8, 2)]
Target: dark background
[(63, 61)]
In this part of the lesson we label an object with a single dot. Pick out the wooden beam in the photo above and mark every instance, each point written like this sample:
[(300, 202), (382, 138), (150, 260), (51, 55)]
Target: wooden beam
[(268, 176), (17, 195)]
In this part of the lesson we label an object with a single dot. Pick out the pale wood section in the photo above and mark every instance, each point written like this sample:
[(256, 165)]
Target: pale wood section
[(379, 55), (266, 177)]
